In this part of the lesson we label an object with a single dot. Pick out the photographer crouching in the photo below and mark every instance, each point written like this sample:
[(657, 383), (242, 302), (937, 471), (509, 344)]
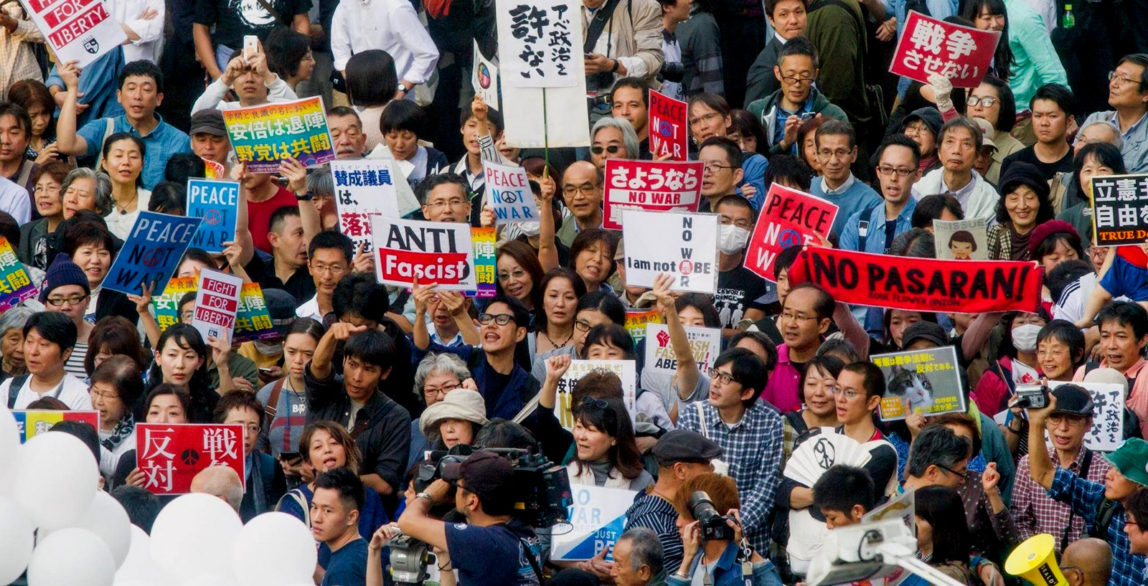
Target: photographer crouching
[(715, 551)]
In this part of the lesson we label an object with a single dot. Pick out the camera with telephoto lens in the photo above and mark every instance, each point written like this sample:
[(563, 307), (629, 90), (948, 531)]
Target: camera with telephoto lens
[(672, 71), (410, 559), (1031, 396), (712, 524)]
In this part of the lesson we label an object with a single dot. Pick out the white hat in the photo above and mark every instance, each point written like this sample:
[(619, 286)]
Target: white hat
[(463, 404)]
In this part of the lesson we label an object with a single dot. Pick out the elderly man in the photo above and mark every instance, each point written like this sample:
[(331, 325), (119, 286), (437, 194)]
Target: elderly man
[(221, 482)]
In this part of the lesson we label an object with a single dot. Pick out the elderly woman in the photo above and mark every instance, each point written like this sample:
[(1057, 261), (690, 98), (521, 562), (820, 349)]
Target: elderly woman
[(85, 189), (116, 385), (612, 138), (455, 420), (35, 236), (436, 376), (1023, 206), (12, 342)]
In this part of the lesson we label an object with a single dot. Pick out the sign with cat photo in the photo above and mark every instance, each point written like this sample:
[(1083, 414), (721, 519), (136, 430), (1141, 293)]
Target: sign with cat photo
[(920, 381), (962, 239)]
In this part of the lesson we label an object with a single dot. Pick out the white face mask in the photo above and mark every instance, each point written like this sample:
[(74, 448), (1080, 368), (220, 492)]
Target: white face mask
[(268, 349), (1024, 337), (731, 239), (530, 229)]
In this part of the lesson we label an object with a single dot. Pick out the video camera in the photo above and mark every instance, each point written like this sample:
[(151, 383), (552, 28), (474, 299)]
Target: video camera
[(712, 524), (1031, 396)]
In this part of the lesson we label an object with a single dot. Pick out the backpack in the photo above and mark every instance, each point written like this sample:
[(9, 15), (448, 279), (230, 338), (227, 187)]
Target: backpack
[(14, 389)]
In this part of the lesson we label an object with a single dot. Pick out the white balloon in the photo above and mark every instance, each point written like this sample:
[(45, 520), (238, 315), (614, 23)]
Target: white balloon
[(194, 535), (76, 557), (138, 566), (107, 518), (9, 443), (274, 549), (211, 580), (55, 479), (17, 537)]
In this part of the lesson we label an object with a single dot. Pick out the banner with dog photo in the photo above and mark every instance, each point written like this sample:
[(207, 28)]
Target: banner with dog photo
[(920, 381)]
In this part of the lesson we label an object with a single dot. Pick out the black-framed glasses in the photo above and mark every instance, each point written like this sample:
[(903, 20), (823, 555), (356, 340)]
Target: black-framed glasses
[(962, 475), (70, 300), (797, 80), (599, 149), (498, 318), (724, 378)]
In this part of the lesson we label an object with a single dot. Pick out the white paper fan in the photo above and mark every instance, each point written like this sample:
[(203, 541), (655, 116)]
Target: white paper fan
[(822, 451)]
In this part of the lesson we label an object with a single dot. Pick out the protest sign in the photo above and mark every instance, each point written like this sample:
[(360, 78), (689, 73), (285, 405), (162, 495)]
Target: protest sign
[(669, 133), (29, 423), (508, 193), (705, 343), (538, 43), (484, 79), (598, 517), (15, 285), (927, 46), (788, 218), (171, 454), (216, 304), (217, 204), (363, 188), (627, 370), (1120, 209), (636, 320), (650, 186), (264, 135), (252, 320), (151, 253), (683, 245), (1107, 430), (213, 170), (485, 261), (895, 282), (920, 381), (962, 239), (430, 252), (76, 30)]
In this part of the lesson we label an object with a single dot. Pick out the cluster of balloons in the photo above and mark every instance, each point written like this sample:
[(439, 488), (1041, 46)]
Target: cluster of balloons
[(56, 525)]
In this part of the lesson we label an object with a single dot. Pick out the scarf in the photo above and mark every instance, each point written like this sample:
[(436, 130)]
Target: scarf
[(125, 427)]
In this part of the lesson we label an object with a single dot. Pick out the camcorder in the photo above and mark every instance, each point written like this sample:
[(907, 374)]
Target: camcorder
[(1031, 396), (713, 525)]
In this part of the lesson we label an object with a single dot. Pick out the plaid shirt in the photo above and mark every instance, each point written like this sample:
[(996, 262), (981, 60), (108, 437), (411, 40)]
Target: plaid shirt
[(1035, 513), (752, 448), (1085, 497)]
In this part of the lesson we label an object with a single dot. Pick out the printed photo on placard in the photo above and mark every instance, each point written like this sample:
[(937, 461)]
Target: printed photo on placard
[(920, 381), (962, 239)]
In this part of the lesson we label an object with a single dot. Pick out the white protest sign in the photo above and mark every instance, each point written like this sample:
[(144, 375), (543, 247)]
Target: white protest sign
[(508, 193), (364, 188), (539, 43), (431, 252), (216, 304), (484, 78), (683, 245), (75, 29), (598, 517), (627, 370), (705, 343), (1107, 431)]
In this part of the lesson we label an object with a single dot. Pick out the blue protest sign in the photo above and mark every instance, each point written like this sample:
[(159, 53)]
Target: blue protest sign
[(151, 252), (217, 203)]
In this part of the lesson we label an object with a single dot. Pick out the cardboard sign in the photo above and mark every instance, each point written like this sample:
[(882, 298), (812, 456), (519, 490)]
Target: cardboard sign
[(171, 454), (30, 423), (217, 204), (485, 261), (431, 252), (788, 218), (1120, 209), (627, 370), (598, 517), (681, 245), (929, 46), (920, 381), (895, 282), (669, 132), (508, 193), (636, 320), (213, 170), (484, 79), (539, 43), (216, 304), (264, 135), (75, 29), (705, 343), (650, 186), (1107, 431), (363, 189), (252, 320), (151, 253), (962, 239), (15, 285)]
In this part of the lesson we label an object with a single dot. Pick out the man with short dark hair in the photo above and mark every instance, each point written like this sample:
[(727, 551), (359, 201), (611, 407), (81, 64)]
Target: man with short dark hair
[(49, 337), (741, 295), (445, 198), (1052, 107), (796, 100), (843, 495), (329, 256), (630, 99), (788, 18), (836, 152), (335, 509), (252, 82), (959, 142), (1128, 96), (722, 172), (873, 228), (582, 191), (806, 315), (1123, 329), (938, 457), (288, 270), (15, 131)]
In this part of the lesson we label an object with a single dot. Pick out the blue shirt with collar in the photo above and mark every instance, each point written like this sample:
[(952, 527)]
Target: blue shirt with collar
[(875, 226), (1135, 149), (850, 198), (161, 143), (727, 572)]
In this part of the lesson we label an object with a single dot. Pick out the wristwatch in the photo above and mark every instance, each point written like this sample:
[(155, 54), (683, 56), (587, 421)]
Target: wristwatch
[(305, 196), (426, 496)]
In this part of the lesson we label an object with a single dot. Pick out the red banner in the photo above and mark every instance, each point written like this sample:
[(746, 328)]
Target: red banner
[(668, 130), (788, 218), (650, 186), (170, 455), (927, 46), (915, 284)]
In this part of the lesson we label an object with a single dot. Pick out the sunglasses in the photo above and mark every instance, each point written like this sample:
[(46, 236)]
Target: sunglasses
[(599, 149)]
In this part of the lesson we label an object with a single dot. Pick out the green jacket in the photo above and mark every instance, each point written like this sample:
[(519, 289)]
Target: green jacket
[(765, 110)]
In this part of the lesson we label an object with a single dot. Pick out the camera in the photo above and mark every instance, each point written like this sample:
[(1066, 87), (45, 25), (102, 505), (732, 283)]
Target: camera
[(672, 71), (1031, 396), (712, 524), (409, 559)]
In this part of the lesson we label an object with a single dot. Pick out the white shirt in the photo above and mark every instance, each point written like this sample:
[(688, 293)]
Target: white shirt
[(71, 390), (14, 200), (310, 309), (150, 31), (212, 97), (390, 25), (121, 224)]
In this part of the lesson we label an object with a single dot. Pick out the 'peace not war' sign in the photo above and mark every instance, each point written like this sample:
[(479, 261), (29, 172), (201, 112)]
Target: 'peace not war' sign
[(151, 253), (217, 202), (896, 282)]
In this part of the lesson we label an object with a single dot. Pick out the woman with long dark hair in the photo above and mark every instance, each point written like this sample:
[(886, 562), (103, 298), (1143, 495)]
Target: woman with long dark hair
[(606, 453), (1027, 60)]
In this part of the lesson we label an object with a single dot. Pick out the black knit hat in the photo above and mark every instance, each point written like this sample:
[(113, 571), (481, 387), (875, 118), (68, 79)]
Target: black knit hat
[(62, 272), (1021, 173)]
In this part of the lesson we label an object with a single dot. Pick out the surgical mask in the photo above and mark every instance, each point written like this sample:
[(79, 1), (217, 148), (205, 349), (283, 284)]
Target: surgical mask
[(268, 349), (731, 239), (530, 229), (1024, 337)]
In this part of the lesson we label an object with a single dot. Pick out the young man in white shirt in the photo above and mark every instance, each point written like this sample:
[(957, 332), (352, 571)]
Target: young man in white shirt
[(48, 340)]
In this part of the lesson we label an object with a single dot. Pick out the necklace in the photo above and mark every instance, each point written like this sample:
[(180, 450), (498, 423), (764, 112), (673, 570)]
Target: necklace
[(556, 345)]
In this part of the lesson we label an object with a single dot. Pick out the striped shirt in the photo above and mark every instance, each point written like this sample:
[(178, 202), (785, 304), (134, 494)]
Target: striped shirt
[(658, 514)]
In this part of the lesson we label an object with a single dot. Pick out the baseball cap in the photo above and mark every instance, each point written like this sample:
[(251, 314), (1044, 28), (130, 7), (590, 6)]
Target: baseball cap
[(1131, 459), (681, 445), (1073, 400), (486, 473), (924, 330)]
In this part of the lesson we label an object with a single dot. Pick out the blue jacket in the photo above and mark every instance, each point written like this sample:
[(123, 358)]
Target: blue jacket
[(727, 572), (753, 168), (874, 227)]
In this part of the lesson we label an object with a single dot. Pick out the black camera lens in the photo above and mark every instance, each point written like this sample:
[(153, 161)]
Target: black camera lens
[(673, 71)]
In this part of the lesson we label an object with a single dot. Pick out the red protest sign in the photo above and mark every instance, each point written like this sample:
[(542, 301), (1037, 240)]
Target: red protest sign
[(927, 46), (667, 125), (170, 455), (914, 284), (788, 218), (216, 304), (79, 30), (652, 186)]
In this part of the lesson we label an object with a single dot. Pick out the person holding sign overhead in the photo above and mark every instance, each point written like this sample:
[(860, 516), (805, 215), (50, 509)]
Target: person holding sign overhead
[(248, 76)]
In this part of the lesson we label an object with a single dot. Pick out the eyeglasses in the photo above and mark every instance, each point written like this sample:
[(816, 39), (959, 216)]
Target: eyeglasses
[(511, 275), (612, 149), (332, 269), (797, 80), (840, 154), (703, 118), (101, 395), (961, 475), (454, 202), (1122, 79), (722, 377), (899, 171), (583, 325), (585, 189), (790, 316), (986, 101), (443, 390), (711, 167), (849, 394), (62, 301), (498, 318)]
